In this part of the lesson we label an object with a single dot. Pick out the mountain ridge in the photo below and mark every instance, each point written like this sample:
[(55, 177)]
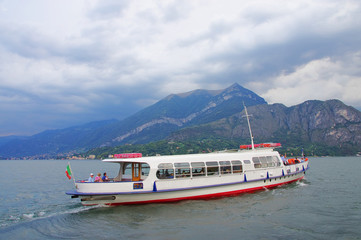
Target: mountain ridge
[(328, 122), (195, 114), (177, 112)]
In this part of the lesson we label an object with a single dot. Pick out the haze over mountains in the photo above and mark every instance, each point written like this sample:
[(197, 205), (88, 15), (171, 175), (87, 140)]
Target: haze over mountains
[(203, 114)]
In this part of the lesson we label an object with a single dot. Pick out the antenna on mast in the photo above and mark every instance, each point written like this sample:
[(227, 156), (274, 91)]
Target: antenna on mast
[(249, 126)]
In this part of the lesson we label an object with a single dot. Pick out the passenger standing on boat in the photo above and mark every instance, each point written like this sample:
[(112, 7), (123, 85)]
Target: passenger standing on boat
[(105, 177), (91, 178)]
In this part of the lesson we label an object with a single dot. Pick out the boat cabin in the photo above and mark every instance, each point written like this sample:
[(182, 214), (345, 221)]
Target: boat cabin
[(192, 165)]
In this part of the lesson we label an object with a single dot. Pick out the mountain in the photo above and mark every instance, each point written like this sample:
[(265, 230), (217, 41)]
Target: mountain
[(177, 111), (6, 139), (53, 142), (325, 123), (153, 123), (204, 114)]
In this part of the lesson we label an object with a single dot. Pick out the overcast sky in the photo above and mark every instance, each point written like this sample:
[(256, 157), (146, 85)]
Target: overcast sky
[(64, 63)]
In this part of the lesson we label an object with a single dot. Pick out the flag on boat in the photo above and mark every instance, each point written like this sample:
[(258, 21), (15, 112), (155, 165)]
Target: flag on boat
[(68, 171)]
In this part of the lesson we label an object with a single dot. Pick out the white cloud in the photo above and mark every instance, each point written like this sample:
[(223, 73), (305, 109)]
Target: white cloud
[(321, 79)]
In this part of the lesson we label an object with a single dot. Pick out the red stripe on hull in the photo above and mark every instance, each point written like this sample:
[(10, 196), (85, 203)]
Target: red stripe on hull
[(204, 197)]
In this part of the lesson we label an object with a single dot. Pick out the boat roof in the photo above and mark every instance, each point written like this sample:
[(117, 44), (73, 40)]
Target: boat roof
[(216, 156)]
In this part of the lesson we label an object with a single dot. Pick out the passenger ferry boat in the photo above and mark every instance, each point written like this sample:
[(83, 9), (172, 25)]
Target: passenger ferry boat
[(173, 178)]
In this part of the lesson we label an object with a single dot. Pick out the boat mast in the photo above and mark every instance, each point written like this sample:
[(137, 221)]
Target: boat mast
[(249, 126)]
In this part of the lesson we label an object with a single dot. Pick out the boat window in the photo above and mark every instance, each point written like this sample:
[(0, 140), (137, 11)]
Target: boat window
[(198, 169), (263, 162), (257, 162), (270, 162), (179, 165), (225, 167), (182, 170), (127, 169), (165, 165), (247, 161), (276, 160), (212, 163), (212, 168), (145, 169), (237, 166), (165, 171), (197, 164)]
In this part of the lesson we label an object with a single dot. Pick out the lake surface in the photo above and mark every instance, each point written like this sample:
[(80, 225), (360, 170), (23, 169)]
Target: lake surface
[(325, 205)]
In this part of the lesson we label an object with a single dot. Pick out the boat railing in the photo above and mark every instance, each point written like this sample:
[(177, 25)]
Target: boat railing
[(112, 180)]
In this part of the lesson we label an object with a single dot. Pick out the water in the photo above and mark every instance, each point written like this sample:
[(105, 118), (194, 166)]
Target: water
[(325, 205)]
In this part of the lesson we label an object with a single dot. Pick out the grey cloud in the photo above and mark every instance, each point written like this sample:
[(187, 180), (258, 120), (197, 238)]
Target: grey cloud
[(176, 10), (108, 9), (271, 59), (25, 42), (100, 73), (213, 33), (32, 44)]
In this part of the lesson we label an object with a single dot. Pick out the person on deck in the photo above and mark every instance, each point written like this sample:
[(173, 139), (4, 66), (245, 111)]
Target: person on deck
[(91, 178), (284, 160), (105, 177), (98, 178)]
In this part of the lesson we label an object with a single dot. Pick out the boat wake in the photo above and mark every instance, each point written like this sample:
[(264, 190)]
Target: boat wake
[(302, 183), (43, 214), (78, 209)]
